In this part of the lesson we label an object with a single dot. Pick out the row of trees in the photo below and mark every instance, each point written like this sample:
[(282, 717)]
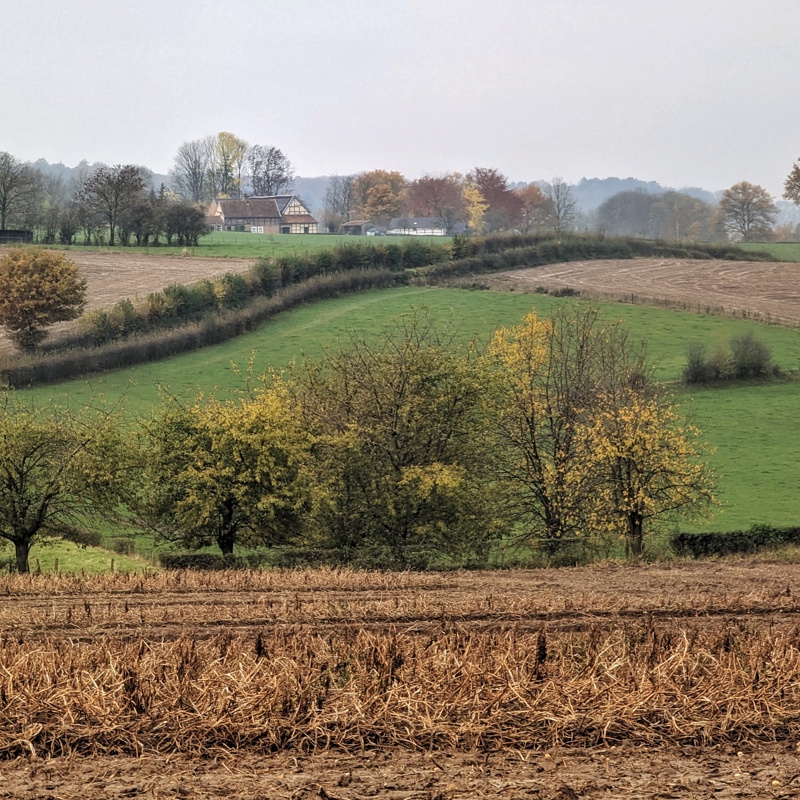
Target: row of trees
[(224, 165), (103, 205), (745, 212), (482, 198), (410, 448), (119, 203)]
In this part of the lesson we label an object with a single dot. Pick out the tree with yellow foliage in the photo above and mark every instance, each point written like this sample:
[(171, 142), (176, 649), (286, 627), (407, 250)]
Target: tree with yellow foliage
[(545, 379), (586, 443), (226, 472), (652, 465), (37, 288), (475, 206), (399, 447)]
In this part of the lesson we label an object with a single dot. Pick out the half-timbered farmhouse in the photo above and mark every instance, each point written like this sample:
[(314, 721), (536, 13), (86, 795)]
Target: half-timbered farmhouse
[(275, 214)]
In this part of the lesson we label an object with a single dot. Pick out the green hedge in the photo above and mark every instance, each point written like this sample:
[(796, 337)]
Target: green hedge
[(184, 318), (29, 370), (707, 545), (211, 561)]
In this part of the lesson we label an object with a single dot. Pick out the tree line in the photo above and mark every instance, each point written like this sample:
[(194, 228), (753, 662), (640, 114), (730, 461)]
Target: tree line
[(398, 452), (99, 206), (119, 204)]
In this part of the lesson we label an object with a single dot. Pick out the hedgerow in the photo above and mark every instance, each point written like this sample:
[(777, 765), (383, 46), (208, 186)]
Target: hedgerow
[(182, 318)]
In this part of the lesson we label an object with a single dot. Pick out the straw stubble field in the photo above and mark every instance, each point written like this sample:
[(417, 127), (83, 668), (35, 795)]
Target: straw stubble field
[(677, 681)]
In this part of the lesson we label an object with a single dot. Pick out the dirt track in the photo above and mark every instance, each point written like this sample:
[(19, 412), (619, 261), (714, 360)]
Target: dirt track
[(769, 771)]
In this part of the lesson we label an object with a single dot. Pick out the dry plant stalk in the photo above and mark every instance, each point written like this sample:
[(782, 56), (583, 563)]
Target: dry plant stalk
[(293, 688)]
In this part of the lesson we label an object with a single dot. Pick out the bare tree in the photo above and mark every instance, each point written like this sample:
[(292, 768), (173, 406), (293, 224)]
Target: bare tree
[(228, 164), (565, 207), (111, 191), (270, 171), (18, 186), (748, 211), (190, 173), (339, 200)]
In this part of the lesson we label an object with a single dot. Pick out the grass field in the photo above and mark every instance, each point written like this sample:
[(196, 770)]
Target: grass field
[(751, 427), (310, 329), (782, 251), (232, 244)]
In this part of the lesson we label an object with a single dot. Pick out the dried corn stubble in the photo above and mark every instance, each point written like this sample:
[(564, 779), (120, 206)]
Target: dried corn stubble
[(296, 689)]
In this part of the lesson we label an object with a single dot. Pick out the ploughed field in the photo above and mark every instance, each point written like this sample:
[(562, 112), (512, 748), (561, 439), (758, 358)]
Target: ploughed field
[(765, 291), (652, 681), (113, 276)]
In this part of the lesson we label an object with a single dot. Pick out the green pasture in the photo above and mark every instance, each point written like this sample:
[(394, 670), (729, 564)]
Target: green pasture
[(235, 244), (475, 314), (782, 251), (64, 556), (752, 427), (757, 458)]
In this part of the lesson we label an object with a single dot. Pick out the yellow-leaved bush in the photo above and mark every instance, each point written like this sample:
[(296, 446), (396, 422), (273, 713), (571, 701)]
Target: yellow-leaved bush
[(227, 472)]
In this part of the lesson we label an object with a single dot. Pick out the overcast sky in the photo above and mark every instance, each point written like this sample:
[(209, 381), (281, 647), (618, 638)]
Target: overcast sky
[(683, 92)]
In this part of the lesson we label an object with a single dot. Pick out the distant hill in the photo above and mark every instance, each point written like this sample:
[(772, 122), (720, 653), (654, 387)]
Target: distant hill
[(66, 173), (312, 192)]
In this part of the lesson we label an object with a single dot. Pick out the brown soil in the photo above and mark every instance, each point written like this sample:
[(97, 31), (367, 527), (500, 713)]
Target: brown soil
[(747, 592), (769, 771), (769, 291)]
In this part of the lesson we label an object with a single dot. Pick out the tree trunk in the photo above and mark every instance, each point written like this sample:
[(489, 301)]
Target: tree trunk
[(225, 541), (635, 535), (22, 549)]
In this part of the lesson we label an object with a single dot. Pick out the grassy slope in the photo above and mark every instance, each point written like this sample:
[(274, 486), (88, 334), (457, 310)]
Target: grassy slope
[(309, 329), (757, 441), (752, 427)]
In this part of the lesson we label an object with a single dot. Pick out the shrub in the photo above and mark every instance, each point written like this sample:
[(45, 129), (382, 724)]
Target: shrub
[(197, 561), (84, 537), (708, 545), (751, 358), (745, 357), (125, 318), (266, 276), (231, 290), (698, 368), (211, 562), (123, 545)]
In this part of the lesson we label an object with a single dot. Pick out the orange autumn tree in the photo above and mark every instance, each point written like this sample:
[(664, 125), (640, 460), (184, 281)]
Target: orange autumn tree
[(37, 288)]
